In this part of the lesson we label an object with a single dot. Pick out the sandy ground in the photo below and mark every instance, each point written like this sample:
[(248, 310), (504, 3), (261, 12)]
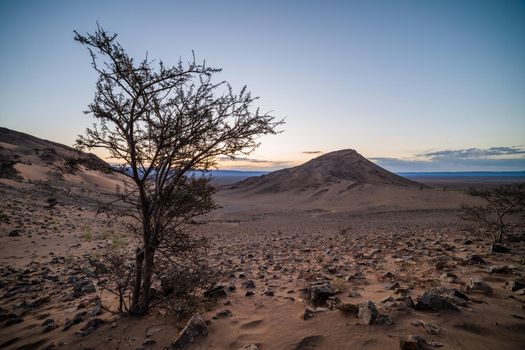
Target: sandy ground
[(282, 243)]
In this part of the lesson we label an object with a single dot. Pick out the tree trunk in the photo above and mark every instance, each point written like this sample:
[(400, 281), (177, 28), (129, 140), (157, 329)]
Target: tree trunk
[(135, 302), (149, 256)]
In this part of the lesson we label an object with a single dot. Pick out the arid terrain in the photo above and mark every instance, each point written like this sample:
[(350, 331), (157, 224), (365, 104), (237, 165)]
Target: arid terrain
[(335, 254)]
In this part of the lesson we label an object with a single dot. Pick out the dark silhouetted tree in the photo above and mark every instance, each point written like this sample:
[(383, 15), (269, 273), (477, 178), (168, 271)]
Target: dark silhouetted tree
[(165, 122), (500, 202)]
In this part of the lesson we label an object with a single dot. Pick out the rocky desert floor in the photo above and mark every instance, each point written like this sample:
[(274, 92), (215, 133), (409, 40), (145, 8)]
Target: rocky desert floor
[(296, 274)]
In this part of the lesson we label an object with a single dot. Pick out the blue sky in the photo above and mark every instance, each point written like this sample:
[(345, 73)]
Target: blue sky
[(396, 80)]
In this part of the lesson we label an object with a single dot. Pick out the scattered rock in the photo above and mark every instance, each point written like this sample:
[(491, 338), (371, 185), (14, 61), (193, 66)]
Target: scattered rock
[(498, 248), (223, 313), (49, 325), (90, 326), (514, 286), (474, 259), (435, 301), (475, 285), (412, 342), (196, 326), (249, 347), (248, 284), (499, 269), (349, 309), (14, 233), (319, 292), (367, 312), (449, 277), (216, 292)]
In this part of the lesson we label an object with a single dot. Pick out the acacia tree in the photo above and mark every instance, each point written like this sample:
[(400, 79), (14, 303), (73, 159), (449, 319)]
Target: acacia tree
[(164, 123), (500, 202)]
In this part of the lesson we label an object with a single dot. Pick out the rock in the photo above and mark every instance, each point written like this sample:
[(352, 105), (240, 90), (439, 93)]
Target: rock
[(499, 269), (308, 314), (429, 327), (148, 342), (405, 302), (474, 259), (90, 326), (77, 319), (249, 347), (223, 313), (391, 286), (367, 312), (319, 292), (268, 292), (49, 325), (475, 285), (449, 277), (39, 302), (498, 248), (196, 326), (433, 300), (514, 286), (13, 319), (412, 342), (248, 284), (14, 233), (83, 287), (388, 276), (249, 293), (216, 292), (383, 320), (349, 309)]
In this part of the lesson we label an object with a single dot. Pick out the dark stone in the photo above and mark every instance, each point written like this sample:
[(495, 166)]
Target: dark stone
[(90, 326), (216, 292), (498, 248), (435, 302), (196, 326), (514, 286), (318, 293), (474, 259), (76, 320), (367, 312), (14, 233), (49, 325), (349, 309), (223, 313), (248, 284), (412, 342)]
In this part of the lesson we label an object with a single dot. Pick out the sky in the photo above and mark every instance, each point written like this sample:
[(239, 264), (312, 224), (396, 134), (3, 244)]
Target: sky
[(412, 85)]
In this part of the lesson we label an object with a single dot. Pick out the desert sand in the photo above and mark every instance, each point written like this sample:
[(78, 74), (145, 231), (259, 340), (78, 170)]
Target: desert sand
[(354, 230)]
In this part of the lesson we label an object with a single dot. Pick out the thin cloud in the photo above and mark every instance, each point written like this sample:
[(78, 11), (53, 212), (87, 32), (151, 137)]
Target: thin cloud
[(312, 152), (253, 160), (468, 159), (474, 153)]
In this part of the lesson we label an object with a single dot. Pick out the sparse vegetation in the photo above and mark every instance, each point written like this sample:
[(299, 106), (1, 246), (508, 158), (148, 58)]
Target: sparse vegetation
[(500, 203)]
